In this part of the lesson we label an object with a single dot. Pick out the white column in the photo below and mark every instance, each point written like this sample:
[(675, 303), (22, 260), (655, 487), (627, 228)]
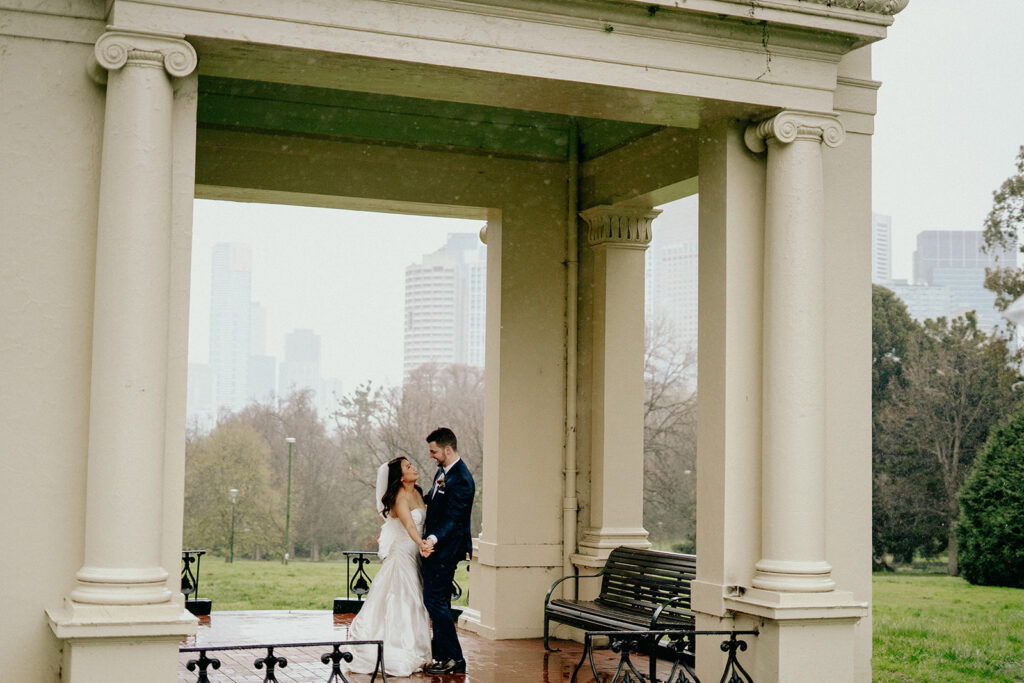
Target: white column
[(793, 431), (618, 237), (120, 600)]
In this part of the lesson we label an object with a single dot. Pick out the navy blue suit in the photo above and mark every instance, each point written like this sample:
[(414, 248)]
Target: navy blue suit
[(448, 511)]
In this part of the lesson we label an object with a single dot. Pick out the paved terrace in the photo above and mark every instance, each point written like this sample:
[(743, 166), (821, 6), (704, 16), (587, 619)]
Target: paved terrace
[(511, 661)]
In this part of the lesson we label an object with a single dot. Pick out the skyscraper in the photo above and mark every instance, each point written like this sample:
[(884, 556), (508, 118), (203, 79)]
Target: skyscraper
[(230, 323), (671, 277), (301, 366), (881, 248), (955, 259), (445, 299), (262, 381), (201, 405)]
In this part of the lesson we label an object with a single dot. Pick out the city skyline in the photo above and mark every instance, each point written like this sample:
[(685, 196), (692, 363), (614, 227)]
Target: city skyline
[(930, 171), (338, 273)]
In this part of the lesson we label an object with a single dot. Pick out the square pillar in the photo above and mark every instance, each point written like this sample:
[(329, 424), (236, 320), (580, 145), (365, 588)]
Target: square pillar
[(519, 552), (618, 237)]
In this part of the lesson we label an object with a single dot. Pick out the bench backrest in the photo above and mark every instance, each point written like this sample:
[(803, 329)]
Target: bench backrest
[(644, 579)]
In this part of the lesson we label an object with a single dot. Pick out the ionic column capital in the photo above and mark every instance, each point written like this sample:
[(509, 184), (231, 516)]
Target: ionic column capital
[(117, 48), (623, 226), (788, 126)]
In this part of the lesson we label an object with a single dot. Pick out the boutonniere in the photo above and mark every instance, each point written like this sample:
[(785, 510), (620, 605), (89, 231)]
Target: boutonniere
[(439, 486)]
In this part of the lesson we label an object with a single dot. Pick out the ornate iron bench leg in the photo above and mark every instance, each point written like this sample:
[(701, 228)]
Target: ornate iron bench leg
[(547, 647)]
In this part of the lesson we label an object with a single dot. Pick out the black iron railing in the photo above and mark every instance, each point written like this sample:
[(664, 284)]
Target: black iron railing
[(673, 647), (190, 575), (358, 583), (190, 583), (358, 580), (340, 652)]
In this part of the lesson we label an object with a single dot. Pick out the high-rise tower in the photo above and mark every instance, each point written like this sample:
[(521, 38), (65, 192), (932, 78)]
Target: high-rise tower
[(881, 248), (230, 323), (445, 296), (955, 259)]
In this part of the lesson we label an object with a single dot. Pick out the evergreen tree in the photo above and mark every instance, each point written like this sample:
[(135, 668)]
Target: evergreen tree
[(991, 527)]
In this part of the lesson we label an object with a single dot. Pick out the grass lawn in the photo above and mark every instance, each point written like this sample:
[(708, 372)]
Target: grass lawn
[(931, 628), (251, 585)]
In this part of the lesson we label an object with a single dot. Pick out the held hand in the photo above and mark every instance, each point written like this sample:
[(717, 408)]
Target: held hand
[(426, 547)]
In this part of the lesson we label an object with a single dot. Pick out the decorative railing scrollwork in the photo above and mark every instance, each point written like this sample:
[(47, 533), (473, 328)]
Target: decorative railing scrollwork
[(671, 646), (190, 577), (202, 664), (357, 582)]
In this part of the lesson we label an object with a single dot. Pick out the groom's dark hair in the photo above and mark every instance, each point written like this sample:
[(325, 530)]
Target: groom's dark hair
[(443, 436)]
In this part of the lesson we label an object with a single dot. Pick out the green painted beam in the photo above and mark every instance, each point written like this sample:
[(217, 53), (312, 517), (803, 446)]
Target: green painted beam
[(256, 105)]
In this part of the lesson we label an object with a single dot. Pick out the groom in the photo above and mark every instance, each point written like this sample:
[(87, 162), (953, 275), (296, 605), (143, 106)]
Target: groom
[(447, 541)]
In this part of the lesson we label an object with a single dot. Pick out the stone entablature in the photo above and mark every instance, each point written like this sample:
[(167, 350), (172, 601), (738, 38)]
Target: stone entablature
[(884, 7)]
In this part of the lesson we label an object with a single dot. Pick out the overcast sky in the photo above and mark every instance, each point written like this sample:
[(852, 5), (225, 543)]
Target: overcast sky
[(950, 121), (950, 115)]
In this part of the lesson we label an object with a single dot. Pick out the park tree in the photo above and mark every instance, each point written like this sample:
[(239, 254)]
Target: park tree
[(905, 484), (375, 424), (991, 526), (670, 438), (892, 332), (232, 456), (321, 504), (1004, 228), (956, 383)]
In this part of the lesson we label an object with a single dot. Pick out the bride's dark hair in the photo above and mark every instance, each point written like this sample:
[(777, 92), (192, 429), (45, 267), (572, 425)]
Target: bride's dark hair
[(394, 484)]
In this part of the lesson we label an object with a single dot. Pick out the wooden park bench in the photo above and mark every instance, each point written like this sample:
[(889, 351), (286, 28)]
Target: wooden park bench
[(641, 590)]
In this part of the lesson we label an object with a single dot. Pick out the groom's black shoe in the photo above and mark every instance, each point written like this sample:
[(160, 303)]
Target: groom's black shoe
[(448, 666)]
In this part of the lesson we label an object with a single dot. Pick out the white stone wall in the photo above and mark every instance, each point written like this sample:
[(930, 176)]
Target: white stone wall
[(51, 118)]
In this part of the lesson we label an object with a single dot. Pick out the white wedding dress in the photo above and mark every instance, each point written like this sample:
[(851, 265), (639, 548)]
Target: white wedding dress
[(393, 611)]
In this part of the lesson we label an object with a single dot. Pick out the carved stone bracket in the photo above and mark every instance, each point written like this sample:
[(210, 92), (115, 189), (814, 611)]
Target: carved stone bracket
[(117, 48), (624, 226), (788, 126)]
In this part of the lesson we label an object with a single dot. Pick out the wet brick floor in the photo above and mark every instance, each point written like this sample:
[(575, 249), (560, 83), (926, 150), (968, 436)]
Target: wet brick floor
[(488, 661)]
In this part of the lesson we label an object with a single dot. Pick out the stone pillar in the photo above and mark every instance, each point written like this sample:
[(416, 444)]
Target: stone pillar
[(793, 433), (120, 595), (618, 237)]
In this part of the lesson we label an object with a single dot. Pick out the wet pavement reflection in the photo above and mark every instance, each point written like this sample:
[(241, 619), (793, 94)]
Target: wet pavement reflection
[(488, 661)]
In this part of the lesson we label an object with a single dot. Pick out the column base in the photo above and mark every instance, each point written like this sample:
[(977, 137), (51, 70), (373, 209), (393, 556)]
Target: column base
[(795, 577), (76, 620), (507, 587), (105, 643), (598, 543), (117, 586), (802, 636)]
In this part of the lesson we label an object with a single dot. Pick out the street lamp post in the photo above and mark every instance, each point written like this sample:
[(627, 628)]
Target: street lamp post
[(288, 509), (234, 497)]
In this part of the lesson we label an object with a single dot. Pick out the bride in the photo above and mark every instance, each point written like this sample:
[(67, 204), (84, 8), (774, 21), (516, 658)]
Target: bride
[(393, 611)]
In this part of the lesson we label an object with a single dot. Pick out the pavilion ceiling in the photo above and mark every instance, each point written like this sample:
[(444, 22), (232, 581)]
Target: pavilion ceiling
[(230, 103)]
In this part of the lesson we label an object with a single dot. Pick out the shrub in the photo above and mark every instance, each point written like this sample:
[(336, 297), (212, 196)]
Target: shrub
[(991, 527)]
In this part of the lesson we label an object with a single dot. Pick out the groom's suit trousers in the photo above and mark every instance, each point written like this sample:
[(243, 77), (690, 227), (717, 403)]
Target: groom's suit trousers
[(448, 512), (437, 595)]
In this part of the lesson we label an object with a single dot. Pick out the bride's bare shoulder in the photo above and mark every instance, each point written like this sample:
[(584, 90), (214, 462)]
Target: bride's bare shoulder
[(416, 500)]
